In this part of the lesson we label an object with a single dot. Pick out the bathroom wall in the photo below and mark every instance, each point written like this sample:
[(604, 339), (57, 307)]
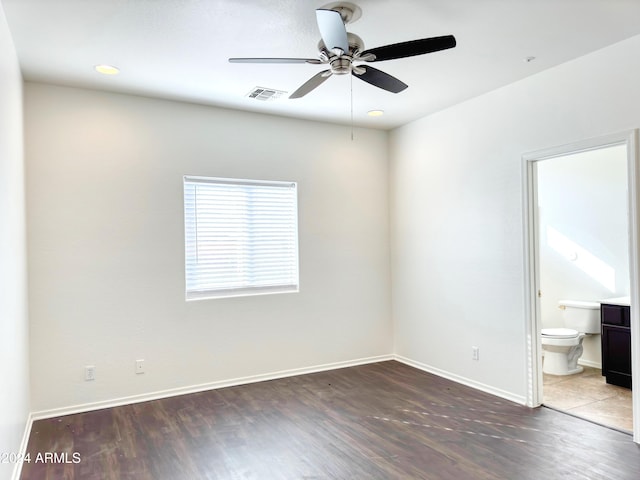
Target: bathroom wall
[(583, 234)]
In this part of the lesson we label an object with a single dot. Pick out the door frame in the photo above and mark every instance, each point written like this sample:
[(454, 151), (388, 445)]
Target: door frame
[(532, 309)]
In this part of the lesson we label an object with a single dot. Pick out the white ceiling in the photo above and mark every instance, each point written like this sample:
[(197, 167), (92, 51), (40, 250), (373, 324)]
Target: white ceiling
[(178, 49)]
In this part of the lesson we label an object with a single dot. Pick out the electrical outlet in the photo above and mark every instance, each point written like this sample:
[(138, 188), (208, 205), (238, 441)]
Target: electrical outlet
[(89, 373), (475, 353), (139, 366)]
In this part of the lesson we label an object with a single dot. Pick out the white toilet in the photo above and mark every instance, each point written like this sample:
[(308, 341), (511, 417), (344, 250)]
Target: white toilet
[(563, 346)]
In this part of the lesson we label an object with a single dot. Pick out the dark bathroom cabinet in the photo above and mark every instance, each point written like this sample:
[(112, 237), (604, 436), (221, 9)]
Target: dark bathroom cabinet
[(616, 344)]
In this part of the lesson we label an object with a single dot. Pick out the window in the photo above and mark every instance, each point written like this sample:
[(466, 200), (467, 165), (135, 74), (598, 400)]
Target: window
[(241, 237)]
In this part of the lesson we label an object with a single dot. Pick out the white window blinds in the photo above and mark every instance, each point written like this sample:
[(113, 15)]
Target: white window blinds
[(241, 237)]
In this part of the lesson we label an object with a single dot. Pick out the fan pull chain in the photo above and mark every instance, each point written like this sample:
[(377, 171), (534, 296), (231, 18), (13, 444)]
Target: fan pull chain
[(351, 77)]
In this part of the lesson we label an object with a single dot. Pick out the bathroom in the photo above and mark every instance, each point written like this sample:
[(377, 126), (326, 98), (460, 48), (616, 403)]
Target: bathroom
[(583, 255)]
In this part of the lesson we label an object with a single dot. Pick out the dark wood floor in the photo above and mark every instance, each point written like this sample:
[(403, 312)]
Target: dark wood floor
[(379, 421)]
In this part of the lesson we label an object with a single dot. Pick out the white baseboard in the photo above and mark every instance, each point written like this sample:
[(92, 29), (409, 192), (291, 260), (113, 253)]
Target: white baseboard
[(17, 469), (463, 380), (589, 363), (87, 407), (115, 402)]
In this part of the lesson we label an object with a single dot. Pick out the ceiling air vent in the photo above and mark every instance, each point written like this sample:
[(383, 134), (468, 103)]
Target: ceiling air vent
[(265, 94)]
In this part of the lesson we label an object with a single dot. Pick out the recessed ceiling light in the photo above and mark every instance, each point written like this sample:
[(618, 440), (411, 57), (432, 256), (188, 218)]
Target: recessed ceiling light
[(107, 69), (375, 113)]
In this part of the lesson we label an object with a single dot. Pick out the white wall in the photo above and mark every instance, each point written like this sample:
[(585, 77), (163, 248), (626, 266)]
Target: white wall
[(457, 219), (14, 334), (583, 233), (106, 245)]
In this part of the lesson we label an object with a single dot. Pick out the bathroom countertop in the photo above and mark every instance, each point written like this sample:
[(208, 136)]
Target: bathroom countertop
[(625, 301)]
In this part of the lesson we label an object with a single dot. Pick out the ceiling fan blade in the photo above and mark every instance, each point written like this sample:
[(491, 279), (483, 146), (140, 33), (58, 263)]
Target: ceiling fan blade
[(310, 84), (332, 29), (380, 79), (411, 48), (275, 60)]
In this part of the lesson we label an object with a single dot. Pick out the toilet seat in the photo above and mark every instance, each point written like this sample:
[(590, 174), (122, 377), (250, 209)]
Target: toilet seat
[(559, 333)]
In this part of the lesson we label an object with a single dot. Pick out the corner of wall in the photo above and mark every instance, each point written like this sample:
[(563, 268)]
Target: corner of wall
[(14, 341)]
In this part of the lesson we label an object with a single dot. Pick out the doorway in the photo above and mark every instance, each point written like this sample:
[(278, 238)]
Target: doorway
[(582, 236)]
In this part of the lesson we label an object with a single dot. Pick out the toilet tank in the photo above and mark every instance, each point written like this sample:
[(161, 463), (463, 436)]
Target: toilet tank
[(581, 316)]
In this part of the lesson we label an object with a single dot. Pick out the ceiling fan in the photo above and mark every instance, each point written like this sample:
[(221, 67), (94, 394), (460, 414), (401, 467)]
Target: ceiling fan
[(341, 49)]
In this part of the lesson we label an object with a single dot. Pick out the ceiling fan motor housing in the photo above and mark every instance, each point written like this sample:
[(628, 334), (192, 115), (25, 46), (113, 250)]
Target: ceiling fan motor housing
[(342, 64)]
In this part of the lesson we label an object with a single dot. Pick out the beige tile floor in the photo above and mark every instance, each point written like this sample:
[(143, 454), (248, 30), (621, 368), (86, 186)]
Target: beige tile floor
[(588, 395)]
